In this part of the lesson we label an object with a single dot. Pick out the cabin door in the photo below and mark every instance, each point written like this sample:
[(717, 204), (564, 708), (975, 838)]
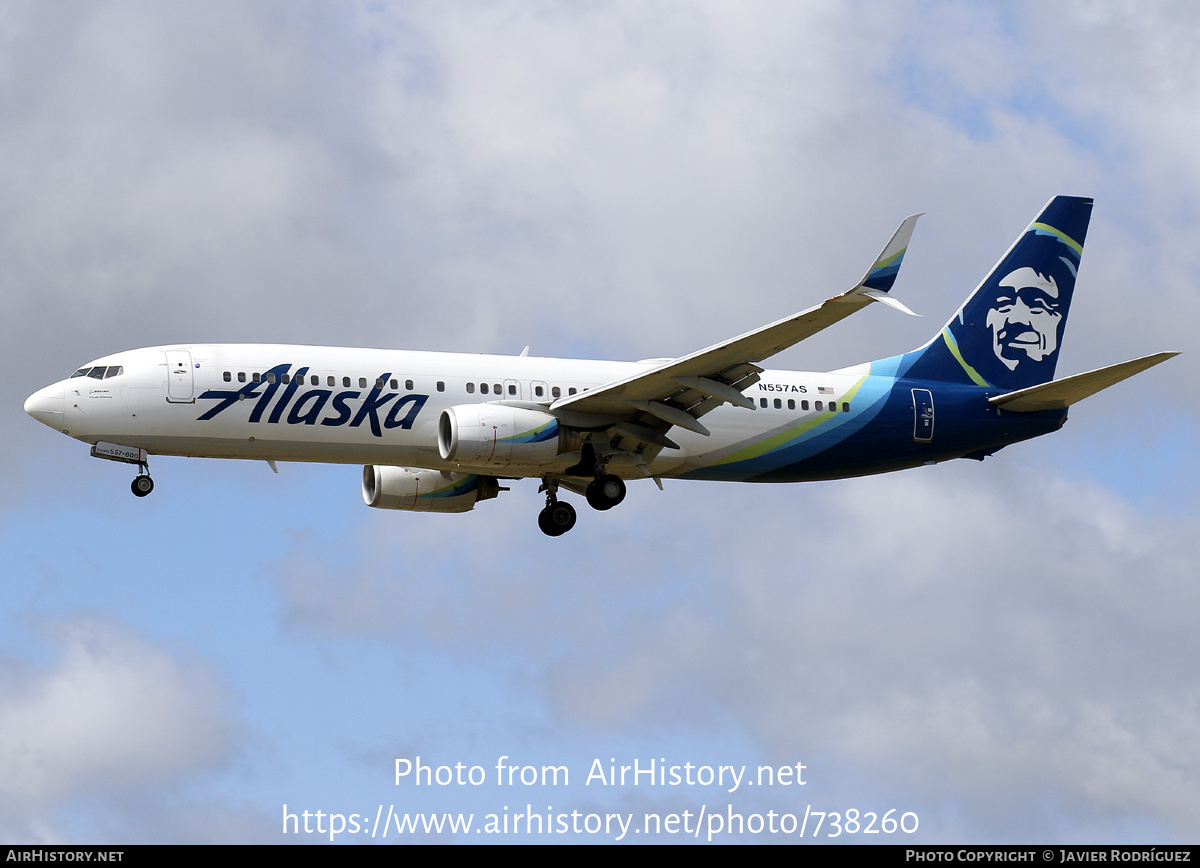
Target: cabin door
[(922, 415), (180, 388)]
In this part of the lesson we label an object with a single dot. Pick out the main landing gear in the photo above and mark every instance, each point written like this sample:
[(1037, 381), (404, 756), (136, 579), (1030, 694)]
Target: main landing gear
[(605, 492), (558, 517)]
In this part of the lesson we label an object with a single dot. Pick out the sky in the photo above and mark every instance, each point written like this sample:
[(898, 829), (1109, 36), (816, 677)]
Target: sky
[(995, 652)]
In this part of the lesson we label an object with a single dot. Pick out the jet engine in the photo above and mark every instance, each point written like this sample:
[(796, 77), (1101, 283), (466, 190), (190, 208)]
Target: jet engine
[(425, 490), (493, 435)]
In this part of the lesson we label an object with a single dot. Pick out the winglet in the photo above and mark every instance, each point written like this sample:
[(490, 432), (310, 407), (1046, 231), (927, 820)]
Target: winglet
[(882, 274), (880, 295)]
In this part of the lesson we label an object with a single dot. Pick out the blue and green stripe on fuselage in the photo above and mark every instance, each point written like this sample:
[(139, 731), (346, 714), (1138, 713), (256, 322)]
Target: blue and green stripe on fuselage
[(877, 434)]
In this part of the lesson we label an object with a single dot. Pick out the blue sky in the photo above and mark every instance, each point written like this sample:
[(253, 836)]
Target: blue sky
[(1004, 649)]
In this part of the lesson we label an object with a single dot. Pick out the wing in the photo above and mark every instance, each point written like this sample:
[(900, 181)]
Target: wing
[(679, 391)]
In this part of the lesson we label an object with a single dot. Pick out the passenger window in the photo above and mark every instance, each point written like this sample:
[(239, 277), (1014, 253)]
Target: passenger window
[(845, 407), (817, 406), (571, 391), (393, 384), (257, 377), (441, 386), (362, 382), (470, 388), (379, 382), (538, 390), (241, 376), (483, 387), (778, 404), (804, 405), (512, 390), (228, 377), (314, 380), (408, 385), (762, 402), (556, 392), (791, 404), (285, 379), (345, 382)]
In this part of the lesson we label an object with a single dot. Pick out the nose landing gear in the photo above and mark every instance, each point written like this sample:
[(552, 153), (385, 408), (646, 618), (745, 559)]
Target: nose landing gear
[(142, 485)]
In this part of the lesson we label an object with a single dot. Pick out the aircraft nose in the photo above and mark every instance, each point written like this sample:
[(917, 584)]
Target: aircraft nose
[(46, 405)]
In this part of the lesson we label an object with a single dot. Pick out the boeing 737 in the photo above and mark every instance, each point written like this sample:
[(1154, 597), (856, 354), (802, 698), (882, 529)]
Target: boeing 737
[(440, 432)]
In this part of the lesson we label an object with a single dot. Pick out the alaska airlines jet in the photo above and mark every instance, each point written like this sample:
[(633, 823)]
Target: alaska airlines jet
[(439, 432)]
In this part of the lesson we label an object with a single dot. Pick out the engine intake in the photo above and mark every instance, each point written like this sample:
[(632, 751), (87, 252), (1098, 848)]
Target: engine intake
[(425, 490), (493, 435)]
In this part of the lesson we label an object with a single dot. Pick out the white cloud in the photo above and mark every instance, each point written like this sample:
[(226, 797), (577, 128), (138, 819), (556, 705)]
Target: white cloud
[(640, 180), (112, 715), (980, 633)]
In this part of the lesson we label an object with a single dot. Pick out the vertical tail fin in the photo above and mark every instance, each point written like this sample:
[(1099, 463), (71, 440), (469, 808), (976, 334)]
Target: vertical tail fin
[(1007, 334)]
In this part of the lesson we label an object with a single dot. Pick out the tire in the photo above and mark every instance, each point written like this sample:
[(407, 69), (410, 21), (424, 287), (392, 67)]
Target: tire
[(606, 492), (557, 518), (141, 486)]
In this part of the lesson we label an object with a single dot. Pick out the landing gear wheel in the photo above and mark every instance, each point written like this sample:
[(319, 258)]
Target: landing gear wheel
[(142, 486), (606, 492), (557, 518)]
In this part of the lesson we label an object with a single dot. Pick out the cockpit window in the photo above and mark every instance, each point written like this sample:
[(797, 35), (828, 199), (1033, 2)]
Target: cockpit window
[(99, 372)]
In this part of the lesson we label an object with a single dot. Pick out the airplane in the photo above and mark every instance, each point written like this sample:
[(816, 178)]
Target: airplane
[(440, 432)]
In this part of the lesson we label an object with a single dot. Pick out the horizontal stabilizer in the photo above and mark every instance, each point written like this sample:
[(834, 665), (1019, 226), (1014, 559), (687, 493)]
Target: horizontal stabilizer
[(1060, 394)]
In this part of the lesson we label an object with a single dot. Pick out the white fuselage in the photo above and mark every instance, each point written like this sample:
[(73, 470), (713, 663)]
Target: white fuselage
[(368, 406)]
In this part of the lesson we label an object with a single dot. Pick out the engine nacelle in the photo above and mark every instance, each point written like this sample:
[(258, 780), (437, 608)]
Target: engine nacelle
[(425, 490), (493, 435)]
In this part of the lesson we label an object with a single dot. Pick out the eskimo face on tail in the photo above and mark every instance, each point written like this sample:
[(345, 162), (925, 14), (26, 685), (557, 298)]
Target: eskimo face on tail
[(1008, 333), (1024, 319)]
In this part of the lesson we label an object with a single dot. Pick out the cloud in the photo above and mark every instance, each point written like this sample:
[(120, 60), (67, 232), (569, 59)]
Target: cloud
[(622, 180), (973, 638), (113, 715), (970, 633)]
